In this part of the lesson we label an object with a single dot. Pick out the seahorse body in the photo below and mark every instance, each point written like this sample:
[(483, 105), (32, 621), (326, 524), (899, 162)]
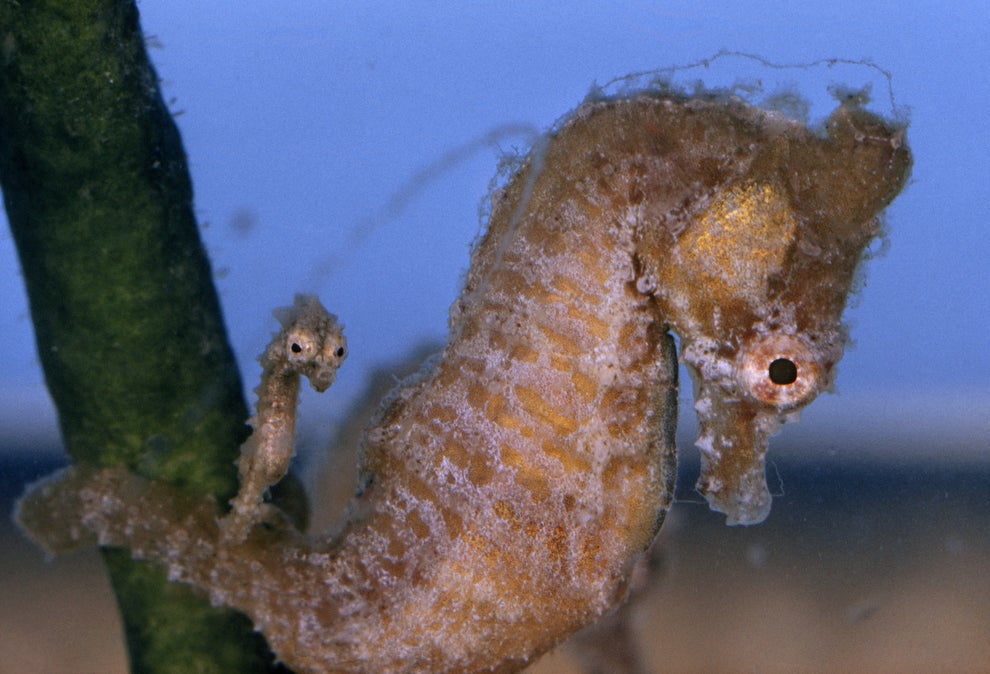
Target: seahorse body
[(512, 484)]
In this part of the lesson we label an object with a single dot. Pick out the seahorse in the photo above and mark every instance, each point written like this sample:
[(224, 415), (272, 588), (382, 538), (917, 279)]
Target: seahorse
[(310, 344), (509, 487)]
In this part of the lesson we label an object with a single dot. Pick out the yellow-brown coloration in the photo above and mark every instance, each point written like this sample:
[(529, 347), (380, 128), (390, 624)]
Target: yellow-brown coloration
[(510, 487), (754, 217)]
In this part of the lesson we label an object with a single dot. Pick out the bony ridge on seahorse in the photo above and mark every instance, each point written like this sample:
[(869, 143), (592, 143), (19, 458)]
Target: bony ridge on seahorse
[(510, 486)]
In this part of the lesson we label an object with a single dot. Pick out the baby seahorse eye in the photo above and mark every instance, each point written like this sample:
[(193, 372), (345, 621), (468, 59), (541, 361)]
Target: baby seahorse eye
[(783, 371)]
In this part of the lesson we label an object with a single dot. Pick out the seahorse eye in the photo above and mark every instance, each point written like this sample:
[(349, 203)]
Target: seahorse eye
[(783, 371), (780, 370)]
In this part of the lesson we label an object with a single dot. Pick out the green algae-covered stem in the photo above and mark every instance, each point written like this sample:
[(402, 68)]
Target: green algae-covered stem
[(127, 320)]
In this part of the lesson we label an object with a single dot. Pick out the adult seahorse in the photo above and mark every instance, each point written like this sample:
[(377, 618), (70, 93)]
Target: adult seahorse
[(510, 486)]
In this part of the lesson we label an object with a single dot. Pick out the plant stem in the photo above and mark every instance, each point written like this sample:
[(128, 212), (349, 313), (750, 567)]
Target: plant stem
[(127, 320)]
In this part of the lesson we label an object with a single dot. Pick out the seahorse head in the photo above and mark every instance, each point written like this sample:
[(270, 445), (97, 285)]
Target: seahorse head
[(753, 266)]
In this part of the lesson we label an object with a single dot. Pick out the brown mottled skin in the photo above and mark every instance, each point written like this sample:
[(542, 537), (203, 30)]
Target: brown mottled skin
[(509, 487)]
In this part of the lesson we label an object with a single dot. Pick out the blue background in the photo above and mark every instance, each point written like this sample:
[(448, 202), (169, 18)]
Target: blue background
[(322, 139)]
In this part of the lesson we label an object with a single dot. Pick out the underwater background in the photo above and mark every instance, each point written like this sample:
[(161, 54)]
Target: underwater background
[(347, 151)]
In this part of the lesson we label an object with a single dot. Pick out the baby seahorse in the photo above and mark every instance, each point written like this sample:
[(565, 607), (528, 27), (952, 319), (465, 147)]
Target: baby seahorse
[(510, 486), (311, 344)]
